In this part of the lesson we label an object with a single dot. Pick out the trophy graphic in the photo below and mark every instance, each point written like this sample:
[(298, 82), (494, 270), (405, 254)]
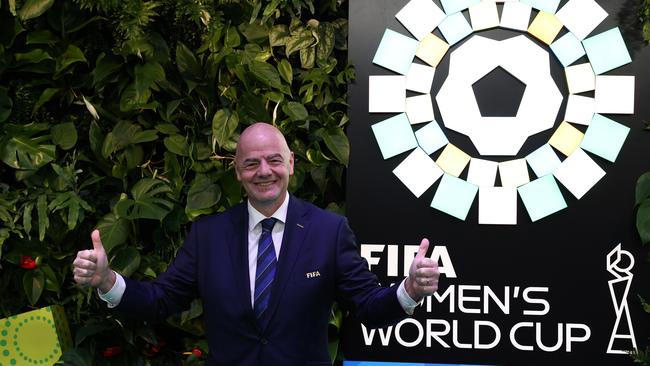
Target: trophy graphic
[(619, 264)]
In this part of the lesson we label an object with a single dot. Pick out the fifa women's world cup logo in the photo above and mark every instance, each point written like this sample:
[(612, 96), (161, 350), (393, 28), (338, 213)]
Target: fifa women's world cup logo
[(585, 140)]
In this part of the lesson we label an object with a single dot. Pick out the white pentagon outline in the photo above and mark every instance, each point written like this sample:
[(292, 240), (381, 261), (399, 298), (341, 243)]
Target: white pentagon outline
[(473, 96), (469, 63)]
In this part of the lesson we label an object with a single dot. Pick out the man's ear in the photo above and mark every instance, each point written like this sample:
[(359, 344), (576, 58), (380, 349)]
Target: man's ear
[(236, 170), (291, 161)]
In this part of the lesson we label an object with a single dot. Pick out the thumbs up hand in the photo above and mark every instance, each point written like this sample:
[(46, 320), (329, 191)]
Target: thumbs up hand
[(423, 274), (91, 266)]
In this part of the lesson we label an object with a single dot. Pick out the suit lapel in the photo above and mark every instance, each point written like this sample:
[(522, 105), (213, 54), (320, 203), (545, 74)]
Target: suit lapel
[(295, 230), (239, 255)]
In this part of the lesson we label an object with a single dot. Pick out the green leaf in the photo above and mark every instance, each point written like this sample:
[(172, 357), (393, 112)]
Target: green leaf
[(168, 113), (5, 104), (232, 38), (27, 217), (203, 194), (299, 41), (270, 9), (82, 25), (337, 142), (132, 100), (64, 135), (89, 330), (251, 108), (308, 57), (105, 66), (146, 203), (69, 200), (167, 128), (71, 55), (34, 8), (12, 7), (145, 136), (326, 41), (177, 144), (134, 155), (126, 261), (188, 66), (125, 134), (319, 176), (643, 221), (32, 57), (266, 73), (43, 219), (286, 71), (279, 35), (4, 235), (45, 97), (146, 77), (295, 111), (51, 281), (95, 138), (254, 32), (23, 152), (224, 124), (33, 284), (113, 231), (642, 190), (42, 37)]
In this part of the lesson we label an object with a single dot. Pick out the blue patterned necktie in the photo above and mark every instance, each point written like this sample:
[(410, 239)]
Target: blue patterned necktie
[(266, 264)]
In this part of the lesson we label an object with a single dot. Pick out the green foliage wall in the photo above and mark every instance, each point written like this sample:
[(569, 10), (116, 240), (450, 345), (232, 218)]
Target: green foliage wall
[(123, 115)]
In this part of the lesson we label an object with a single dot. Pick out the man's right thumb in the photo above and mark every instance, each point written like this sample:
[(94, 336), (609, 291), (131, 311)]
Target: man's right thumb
[(97, 241)]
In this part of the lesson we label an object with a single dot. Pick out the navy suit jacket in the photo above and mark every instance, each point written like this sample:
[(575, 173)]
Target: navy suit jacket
[(213, 265)]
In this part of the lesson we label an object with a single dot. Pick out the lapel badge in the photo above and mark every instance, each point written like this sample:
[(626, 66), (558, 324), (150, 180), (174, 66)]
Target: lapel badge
[(312, 274)]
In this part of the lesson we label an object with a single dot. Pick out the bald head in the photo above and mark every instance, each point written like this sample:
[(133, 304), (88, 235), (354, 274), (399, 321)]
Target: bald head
[(263, 164), (261, 133)]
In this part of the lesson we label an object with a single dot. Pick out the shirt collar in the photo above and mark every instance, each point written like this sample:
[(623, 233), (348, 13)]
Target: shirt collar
[(254, 216)]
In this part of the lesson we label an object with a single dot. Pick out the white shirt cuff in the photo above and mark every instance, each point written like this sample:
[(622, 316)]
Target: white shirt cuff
[(114, 296), (405, 300)]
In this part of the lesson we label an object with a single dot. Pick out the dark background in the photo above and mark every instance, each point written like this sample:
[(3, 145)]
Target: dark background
[(565, 251)]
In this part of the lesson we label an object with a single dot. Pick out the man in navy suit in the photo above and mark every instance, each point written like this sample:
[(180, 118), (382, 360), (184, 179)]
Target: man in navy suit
[(269, 306)]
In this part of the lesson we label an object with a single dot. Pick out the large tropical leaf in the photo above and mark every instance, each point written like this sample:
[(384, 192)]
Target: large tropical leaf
[(26, 152), (34, 8), (113, 230), (149, 200), (202, 196), (125, 134), (146, 77)]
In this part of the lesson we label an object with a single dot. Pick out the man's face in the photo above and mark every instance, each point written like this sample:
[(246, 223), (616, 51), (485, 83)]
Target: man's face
[(264, 165)]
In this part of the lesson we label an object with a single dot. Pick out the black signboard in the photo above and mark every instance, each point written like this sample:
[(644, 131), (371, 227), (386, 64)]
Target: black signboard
[(562, 288)]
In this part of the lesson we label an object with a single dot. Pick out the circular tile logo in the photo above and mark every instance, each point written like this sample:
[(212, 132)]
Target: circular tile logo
[(567, 158)]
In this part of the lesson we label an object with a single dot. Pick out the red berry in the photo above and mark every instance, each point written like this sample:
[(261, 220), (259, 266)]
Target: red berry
[(27, 262), (197, 352), (111, 352)]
